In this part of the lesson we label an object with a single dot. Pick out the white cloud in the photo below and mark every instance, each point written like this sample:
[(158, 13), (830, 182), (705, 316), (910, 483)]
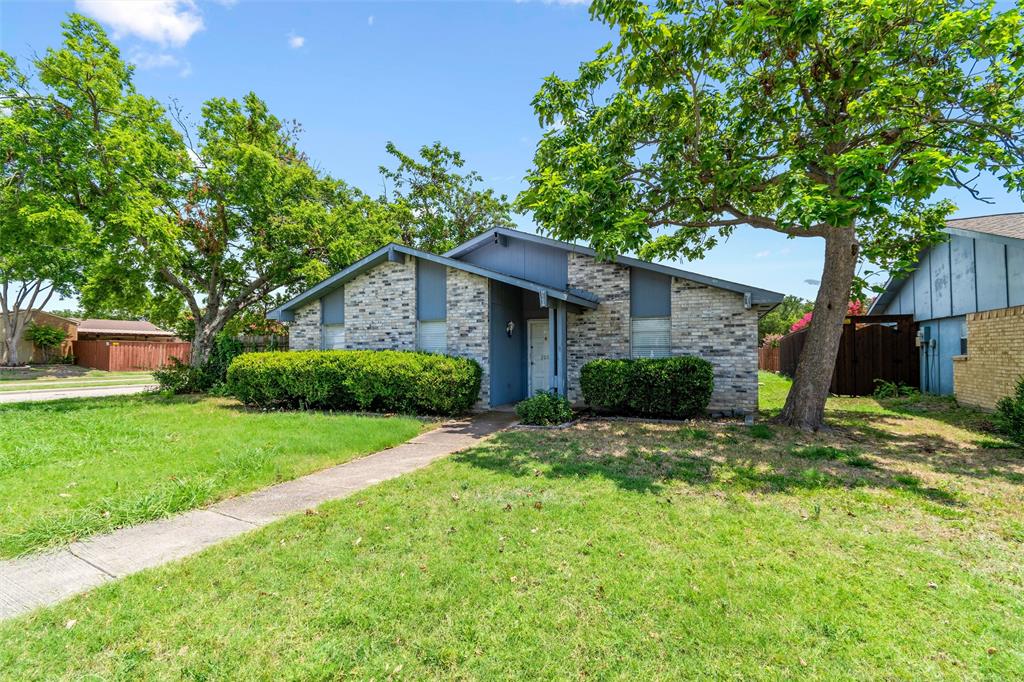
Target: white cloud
[(295, 41), (370, 20), (159, 60), (762, 254), (167, 22)]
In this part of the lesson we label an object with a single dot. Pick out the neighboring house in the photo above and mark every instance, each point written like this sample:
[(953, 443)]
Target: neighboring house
[(532, 311), (27, 351), (979, 268), (123, 330)]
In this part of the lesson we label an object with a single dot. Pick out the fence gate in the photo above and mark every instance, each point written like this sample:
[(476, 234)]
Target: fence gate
[(872, 347)]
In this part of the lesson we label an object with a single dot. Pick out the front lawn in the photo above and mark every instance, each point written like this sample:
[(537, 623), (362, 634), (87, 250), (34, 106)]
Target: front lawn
[(891, 547), (72, 468)]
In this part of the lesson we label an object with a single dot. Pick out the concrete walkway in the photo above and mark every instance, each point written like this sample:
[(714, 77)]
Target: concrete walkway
[(83, 392), (46, 578)]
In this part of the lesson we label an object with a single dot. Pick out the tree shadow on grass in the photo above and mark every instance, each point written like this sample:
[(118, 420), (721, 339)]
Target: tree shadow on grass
[(649, 458), (67, 405)]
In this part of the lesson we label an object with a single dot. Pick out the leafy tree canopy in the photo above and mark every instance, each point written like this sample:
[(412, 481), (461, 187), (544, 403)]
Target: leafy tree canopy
[(434, 206), (835, 119)]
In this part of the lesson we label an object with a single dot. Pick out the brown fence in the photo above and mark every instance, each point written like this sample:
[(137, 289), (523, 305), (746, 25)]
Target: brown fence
[(123, 356), (872, 347), (768, 359), (254, 343)]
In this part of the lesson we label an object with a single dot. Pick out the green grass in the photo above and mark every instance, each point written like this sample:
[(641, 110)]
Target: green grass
[(72, 468), (611, 550)]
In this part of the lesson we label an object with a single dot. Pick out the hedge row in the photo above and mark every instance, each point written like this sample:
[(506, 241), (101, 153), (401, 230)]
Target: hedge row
[(676, 388), (373, 381)]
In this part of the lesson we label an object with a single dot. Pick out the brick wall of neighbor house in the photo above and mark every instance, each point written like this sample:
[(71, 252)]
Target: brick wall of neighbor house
[(304, 331), (468, 325), (994, 360), (600, 333), (713, 324), (380, 308)]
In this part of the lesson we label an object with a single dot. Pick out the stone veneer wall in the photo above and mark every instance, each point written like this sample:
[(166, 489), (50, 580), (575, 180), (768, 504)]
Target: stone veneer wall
[(380, 308), (304, 331), (994, 360), (468, 323), (707, 322), (713, 324), (600, 333)]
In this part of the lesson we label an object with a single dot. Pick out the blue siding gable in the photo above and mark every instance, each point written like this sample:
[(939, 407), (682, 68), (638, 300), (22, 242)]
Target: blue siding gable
[(520, 258), (332, 307), (963, 275)]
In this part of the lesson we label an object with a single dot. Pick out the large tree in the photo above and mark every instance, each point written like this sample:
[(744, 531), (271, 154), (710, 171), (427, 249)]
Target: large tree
[(433, 205), (82, 152), (835, 120), (250, 216)]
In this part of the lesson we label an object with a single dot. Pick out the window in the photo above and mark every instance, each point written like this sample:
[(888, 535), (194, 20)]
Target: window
[(431, 307), (963, 337), (651, 337), (332, 319), (432, 336), (650, 307), (334, 337)]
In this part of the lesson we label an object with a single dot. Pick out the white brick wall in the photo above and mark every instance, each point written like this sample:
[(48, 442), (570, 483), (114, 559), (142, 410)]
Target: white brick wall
[(304, 332), (468, 323), (380, 308)]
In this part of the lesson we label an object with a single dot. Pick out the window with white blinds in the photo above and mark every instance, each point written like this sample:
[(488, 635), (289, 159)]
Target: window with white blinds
[(432, 336), (651, 337), (334, 337)]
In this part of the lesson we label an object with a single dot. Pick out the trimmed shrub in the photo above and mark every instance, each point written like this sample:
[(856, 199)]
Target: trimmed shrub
[(676, 388), (1009, 416), (544, 409), (366, 380)]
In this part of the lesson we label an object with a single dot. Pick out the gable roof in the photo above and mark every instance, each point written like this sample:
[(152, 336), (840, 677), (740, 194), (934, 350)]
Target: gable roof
[(123, 327), (758, 296), (285, 312), (1004, 225)]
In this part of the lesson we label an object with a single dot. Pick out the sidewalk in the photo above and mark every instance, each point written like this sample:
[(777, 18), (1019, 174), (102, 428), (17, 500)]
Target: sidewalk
[(46, 578)]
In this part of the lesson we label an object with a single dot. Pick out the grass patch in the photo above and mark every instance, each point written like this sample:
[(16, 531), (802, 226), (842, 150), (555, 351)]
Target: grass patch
[(69, 469), (762, 431), (610, 550), (602, 551)]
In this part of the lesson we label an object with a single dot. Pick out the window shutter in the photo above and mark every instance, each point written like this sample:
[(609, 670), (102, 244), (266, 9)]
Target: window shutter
[(651, 337), (432, 337), (334, 337)]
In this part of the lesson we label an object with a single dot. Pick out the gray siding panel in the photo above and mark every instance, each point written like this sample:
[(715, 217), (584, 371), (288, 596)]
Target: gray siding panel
[(526, 260), (941, 293), (508, 375), (923, 290), (962, 275), (1015, 273), (991, 257), (650, 294), (332, 307), (431, 290)]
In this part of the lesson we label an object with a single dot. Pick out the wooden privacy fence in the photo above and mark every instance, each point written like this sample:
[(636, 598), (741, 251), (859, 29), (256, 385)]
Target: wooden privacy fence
[(768, 359), (123, 356), (872, 347)]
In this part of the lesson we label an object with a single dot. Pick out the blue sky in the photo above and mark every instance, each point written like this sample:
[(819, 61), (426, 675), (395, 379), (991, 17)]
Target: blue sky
[(357, 74)]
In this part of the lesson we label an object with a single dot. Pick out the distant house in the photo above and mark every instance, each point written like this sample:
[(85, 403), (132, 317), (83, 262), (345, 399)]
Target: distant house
[(979, 268), (27, 351), (123, 330), (532, 311)]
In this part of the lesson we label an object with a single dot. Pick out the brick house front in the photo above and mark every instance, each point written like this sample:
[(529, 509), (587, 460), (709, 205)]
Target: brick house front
[(532, 311)]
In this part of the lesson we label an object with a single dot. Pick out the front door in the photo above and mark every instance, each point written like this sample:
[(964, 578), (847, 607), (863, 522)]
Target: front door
[(539, 356)]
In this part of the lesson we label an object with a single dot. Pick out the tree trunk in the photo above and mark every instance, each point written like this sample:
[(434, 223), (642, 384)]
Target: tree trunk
[(202, 346), (805, 405), (12, 338)]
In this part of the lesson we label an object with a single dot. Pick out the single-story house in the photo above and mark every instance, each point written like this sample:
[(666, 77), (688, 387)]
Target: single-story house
[(532, 311), (123, 330), (27, 351), (977, 270)]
